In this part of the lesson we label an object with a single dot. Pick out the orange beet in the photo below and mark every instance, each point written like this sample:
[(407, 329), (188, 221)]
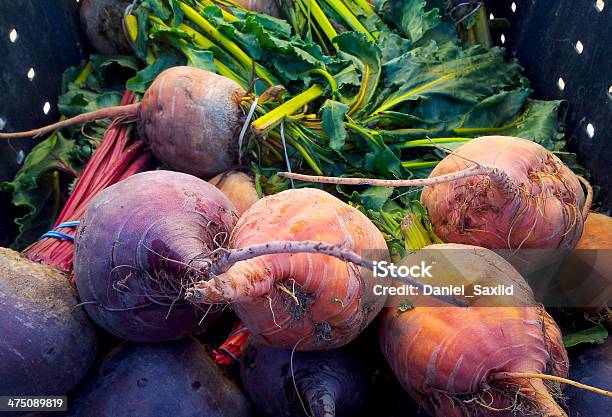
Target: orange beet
[(546, 214), (309, 299), (450, 359), (597, 232), (238, 187)]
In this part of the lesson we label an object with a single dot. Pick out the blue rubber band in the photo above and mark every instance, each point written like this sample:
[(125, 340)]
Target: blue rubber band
[(67, 224), (57, 235), (60, 235)]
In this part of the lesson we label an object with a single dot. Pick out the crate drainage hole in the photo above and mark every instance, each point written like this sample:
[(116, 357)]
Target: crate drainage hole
[(31, 74), (610, 92), (503, 39), (561, 84), (579, 47), (513, 7), (13, 35), (2, 123), (46, 107), (599, 5), (491, 16), (590, 130)]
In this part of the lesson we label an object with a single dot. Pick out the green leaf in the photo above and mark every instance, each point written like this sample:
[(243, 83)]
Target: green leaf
[(440, 84), (392, 45), (157, 7), (177, 13), (597, 334), (384, 162), (102, 63), (332, 115), (375, 197), (200, 58), (279, 27), (35, 189), (367, 58), (410, 16), (540, 121), (497, 110), (143, 78), (142, 37)]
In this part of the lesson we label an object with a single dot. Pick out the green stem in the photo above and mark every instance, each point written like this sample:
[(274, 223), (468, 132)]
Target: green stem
[(320, 17), (204, 43), (428, 142), (330, 79), (84, 74), (274, 117), (311, 162), (419, 164), (349, 18), (227, 16), (366, 6), (414, 233), (233, 49), (362, 132), (479, 33)]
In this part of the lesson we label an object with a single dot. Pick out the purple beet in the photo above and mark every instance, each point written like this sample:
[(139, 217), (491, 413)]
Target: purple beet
[(329, 383), (176, 379), (47, 343), (139, 247)]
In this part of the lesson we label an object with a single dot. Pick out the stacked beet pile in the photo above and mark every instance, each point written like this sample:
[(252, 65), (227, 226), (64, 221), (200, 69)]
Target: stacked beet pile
[(225, 163)]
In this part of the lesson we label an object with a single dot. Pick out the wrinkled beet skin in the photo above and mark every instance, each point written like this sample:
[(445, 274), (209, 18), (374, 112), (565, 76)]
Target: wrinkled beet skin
[(266, 377), (102, 21), (473, 212), (176, 379), (126, 237), (47, 343), (192, 118)]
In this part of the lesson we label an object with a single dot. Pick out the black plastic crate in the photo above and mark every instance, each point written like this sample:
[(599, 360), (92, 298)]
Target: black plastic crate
[(564, 46)]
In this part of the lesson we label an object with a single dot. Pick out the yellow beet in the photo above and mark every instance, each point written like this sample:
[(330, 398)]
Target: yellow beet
[(238, 187)]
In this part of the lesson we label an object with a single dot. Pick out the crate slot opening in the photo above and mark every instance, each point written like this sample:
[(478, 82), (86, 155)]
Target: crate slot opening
[(599, 5), (46, 107), (13, 35), (31, 74), (513, 7), (502, 38), (590, 130), (579, 47), (561, 83)]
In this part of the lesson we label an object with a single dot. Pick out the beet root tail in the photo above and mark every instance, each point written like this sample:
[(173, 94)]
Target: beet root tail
[(543, 401), (128, 111), (243, 280)]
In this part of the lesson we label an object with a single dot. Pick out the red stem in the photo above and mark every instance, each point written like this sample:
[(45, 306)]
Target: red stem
[(116, 158)]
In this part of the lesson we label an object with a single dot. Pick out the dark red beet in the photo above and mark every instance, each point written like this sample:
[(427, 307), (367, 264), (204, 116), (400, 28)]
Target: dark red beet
[(176, 379), (47, 343), (102, 21), (191, 118), (330, 383)]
